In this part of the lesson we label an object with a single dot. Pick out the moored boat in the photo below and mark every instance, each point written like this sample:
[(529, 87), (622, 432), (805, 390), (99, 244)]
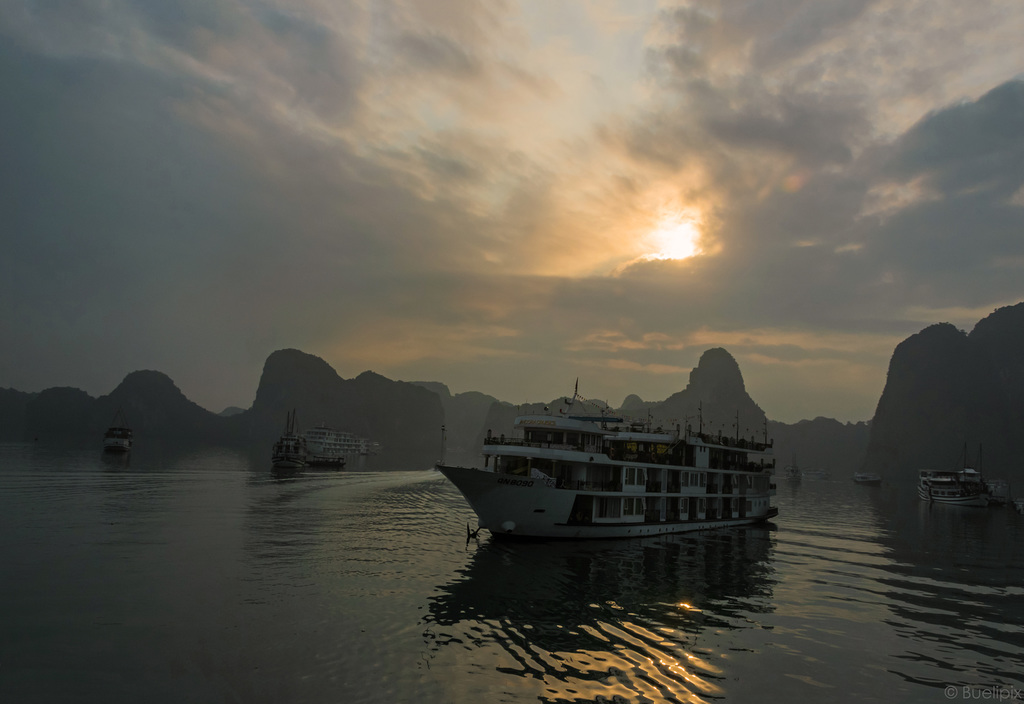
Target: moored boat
[(962, 487), (289, 451), (569, 476), (119, 436)]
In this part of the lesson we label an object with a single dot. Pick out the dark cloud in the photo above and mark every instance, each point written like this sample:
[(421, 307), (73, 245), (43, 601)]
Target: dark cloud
[(814, 129), (969, 146)]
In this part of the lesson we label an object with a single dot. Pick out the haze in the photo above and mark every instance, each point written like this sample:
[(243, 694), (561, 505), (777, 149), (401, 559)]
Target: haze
[(505, 196)]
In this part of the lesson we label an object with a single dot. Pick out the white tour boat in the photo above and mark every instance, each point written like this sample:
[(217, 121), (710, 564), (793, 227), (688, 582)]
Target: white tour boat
[(962, 487), (118, 437), (329, 447), (290, 449), (571, 476)]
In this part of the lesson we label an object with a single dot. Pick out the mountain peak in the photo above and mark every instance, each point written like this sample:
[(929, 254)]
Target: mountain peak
[(146, 382), (716, 375)]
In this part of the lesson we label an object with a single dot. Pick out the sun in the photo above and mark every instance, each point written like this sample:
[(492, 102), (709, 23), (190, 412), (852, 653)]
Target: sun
[(675, 238)]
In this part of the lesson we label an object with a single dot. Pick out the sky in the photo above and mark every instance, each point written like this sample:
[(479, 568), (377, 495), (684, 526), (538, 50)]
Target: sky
[(504, 196)]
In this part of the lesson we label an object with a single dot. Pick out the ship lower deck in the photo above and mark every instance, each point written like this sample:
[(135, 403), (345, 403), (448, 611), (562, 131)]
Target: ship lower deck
[(526, 507)]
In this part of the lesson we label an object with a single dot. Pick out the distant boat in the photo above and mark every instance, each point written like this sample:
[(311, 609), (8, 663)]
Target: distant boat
[(290, 449), (962, 487), (793, 473), (327, 447), (1019, 505), (865, 478), (815, 474), (118, 437)]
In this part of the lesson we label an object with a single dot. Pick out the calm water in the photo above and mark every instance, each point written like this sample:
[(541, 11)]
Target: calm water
[(203, 577)]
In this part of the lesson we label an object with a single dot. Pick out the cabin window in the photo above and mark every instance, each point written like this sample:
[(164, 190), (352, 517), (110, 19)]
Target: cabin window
[(634, 475), (609, 508), (543, 465), (633, 507), (703, 478), (513, 465)]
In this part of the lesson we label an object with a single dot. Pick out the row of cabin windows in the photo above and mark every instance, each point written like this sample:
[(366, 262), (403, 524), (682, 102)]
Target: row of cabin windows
[(559, 437), (616, 508), (631, 476)]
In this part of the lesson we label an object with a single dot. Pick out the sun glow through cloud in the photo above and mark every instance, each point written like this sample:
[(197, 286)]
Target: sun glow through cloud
[(677, 237)]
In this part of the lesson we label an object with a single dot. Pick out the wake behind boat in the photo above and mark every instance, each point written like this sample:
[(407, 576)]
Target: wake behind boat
[(571, 476)]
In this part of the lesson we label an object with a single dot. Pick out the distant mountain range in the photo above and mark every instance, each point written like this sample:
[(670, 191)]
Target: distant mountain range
[(944, 388), (404, 418)]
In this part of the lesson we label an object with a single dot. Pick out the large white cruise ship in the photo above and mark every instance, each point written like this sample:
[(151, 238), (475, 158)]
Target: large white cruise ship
[(330, 447), (569, 476)]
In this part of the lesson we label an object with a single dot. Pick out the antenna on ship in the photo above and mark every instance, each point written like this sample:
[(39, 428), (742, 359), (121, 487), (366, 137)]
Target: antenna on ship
[(444, 442), (570, 401)]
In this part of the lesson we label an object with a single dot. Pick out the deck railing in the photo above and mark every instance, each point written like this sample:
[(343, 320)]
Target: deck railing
[(520, 442)]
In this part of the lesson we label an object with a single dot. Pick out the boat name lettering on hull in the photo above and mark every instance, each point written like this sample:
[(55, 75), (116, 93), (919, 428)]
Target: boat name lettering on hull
[(515, 482)]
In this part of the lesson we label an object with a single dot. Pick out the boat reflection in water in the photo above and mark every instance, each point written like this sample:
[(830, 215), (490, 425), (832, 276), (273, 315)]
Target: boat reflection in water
[(603, 618)]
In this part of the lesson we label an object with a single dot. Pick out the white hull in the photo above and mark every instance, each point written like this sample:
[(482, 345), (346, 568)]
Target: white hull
[(118, 437), (326, 461), (963, 487), (523, 507), (975, 500), (288, 463), (117, 445)]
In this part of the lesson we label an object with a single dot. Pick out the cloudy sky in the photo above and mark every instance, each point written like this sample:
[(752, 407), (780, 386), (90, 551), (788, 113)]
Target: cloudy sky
[(504, 196)]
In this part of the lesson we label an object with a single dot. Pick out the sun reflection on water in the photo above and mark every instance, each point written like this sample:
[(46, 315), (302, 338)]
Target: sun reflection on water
[(606, 623)]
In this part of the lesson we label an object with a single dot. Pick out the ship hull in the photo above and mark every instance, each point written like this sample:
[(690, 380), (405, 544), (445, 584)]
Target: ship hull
[(117, 446), (524, 507), (970, 500)]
